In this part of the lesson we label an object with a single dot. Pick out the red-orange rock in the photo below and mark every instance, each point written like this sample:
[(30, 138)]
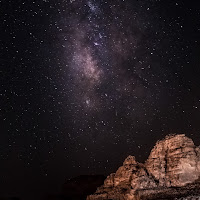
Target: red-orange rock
[(174, 161)]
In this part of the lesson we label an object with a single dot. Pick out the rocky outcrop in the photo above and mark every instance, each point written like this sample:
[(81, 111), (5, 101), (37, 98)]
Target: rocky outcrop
[(173, 163)]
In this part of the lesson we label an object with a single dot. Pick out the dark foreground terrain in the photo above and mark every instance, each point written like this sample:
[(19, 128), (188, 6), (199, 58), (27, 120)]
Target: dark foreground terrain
[(79, 188)]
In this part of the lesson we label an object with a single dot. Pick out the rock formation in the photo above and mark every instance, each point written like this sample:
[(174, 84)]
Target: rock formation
[(172, 170)]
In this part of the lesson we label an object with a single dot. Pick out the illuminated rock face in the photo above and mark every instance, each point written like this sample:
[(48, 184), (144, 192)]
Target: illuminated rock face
[(173, 162)]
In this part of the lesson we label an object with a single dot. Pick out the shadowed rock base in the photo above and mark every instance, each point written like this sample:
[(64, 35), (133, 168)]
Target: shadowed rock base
[(176, 193)]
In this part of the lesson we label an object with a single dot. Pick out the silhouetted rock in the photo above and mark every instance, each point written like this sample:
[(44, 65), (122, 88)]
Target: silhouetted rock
[(81, 186), (171, 171), (78, 188)]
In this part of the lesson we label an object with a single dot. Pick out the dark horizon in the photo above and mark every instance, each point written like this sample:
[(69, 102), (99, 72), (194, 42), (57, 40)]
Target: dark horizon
[(85, 83)]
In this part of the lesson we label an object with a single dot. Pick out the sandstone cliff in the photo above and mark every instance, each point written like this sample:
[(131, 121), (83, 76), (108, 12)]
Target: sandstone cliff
[(172, 170)]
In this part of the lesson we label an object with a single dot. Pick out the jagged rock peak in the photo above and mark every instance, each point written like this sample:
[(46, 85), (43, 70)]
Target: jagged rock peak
[(173, 141), (130, 160), (173, 162)]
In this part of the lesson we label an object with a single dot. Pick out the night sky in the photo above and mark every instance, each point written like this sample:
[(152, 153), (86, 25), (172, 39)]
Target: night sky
[(85, 83)]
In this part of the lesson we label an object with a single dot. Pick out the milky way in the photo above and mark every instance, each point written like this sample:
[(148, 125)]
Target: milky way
[(85, 83), (104, 61), (121, 80)]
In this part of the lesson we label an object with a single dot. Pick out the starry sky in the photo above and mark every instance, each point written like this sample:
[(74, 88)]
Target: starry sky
[(85, 83)]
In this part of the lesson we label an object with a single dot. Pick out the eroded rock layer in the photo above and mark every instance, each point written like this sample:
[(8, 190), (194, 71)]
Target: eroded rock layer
[(173, 163)]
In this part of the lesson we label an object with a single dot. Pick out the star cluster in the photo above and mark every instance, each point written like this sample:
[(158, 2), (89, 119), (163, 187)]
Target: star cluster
[(84, 83)]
